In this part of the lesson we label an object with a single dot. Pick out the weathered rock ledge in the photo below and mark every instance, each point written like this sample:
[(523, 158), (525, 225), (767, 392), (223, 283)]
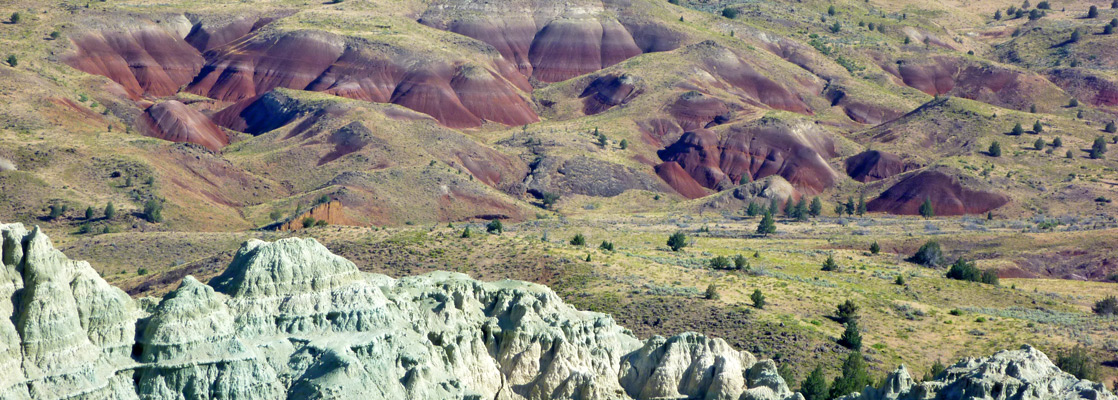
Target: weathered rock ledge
[(289, 319)]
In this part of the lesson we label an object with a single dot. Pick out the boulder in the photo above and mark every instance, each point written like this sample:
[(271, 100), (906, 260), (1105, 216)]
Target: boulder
[(1023, 374)]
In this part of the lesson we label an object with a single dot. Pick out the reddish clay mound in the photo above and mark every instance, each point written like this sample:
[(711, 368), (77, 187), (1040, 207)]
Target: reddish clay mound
[(458, 97), (144, 62), (330, 212), (862, 111), (245, 69), (659, 132), (753, 152), (608, 91), (947, 194), (207, 36), (752, 84), (693, 110), (986, 83), (680, 180), (873, 165), (1086, 86), (564, 49), (174, 121), (552, 48)]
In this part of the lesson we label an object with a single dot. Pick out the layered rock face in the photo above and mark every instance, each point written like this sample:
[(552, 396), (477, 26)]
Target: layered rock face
[(148, 61), (291, 320), (174, 121), (458, 96), (1024, 374), (551, 41), (796, 152)]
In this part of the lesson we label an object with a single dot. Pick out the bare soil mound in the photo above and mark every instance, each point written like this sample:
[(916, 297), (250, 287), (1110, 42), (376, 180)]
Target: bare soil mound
[(948, 195), (174, 121)]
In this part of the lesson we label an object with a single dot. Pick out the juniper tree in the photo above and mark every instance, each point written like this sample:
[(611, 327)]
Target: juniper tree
[(814, 387), (1037, 127), (854, 376), (677, 241), (829, 264), (816, 207), (875, 248), (758, 299), (1017, 129), (1093, 12), (851, 337), (1039, 144), (767, 225), (110, 211), (926, 209)]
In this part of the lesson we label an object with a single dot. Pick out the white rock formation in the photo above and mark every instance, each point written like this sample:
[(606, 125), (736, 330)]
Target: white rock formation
[(1025, 374), (290, 320)]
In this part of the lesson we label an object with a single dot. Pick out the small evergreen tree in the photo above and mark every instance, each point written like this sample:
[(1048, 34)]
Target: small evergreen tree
[(15, 18), (753, 210), (816, 207), (801, 210), (624, 144), (466, 233), (998, 14), (1032, 107), (1079, 363), (55, 212), (606, 246), (854, 376), (836, 27), (1068, 154), (774, 206), (677, 241), (1074, 36), (847, 311), (12, 60), (89, 213), (1037, 127), (720, 262), (740, 262), (1017, 130), (926, 209), (1039, 144), (1110, 127), (1107, 30), (831, 10), (729, 13), (110, 211), (712, 292), (900, 280), (829, 264), (767, 225), (309, 222), (578, 240), (851, 338), (929, 255), (495, 227), (758, 299), (1093, 12), (814, 387), (937, 368), (790, 208), (1057, 142), (1073, 102), (850, 207), (875, 248), (54, 35), (861, 204), (1107, 306), (548, 199)]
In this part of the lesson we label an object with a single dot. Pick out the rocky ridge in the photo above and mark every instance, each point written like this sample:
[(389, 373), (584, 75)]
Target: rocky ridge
[(289, 319)]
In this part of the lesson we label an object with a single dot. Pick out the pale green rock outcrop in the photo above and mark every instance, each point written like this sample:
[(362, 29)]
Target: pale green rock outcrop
[(290, 320)]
